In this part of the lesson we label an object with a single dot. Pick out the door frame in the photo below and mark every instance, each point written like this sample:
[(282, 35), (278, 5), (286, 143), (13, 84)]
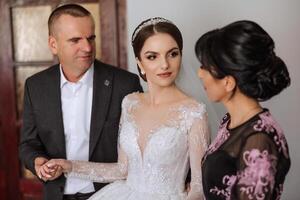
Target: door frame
[(113, 51)]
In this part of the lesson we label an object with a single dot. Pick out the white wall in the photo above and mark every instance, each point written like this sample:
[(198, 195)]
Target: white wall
[(281, 19)]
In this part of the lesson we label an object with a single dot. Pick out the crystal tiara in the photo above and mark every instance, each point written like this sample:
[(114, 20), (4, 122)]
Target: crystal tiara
[(151, 21)]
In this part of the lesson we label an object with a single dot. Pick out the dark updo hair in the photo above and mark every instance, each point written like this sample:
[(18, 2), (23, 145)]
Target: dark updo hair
[(150, 27), (245, 51)]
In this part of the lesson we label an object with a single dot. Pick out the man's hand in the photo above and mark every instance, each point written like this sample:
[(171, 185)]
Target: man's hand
[(46, 172), (40, 172)]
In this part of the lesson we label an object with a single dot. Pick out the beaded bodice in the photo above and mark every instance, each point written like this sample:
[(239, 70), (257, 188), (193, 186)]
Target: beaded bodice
[(161, 163)]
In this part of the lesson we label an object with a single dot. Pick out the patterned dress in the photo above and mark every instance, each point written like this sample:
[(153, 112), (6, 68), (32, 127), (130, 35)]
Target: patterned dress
[(246, 162)]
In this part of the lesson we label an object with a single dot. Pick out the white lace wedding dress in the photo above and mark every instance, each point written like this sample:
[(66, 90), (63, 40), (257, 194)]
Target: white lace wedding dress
[(157, 168)]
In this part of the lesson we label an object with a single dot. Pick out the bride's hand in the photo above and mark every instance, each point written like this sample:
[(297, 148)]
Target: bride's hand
[(66, 165)]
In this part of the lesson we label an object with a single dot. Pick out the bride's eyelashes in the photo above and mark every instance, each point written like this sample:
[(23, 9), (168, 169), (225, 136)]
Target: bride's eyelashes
[(151, 57), (171, 54)]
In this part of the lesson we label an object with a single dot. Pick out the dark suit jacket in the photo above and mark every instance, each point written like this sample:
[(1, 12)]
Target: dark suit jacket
[(43, 132)]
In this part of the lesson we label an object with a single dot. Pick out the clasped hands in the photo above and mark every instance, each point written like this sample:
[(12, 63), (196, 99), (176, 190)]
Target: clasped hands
[(48, 170)]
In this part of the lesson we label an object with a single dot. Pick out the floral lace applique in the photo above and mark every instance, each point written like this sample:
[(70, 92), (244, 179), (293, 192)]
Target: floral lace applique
[(268, 124), (229, 181), (222, 136), (188, 115), (255, 180), (258, 177)]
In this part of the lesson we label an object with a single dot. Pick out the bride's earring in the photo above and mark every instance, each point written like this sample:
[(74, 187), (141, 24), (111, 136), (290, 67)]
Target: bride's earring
[(142, 72)]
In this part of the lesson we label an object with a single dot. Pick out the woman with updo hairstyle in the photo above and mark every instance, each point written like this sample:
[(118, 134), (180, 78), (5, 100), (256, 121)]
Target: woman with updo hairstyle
[(249, 158), (163, 132)]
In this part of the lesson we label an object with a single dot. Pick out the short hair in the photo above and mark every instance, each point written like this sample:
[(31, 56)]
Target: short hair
[(245, 51), (74, 10), (142, 33)]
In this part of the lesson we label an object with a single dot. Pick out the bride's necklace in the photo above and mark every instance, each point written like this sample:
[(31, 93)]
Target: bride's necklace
[(245, 117)]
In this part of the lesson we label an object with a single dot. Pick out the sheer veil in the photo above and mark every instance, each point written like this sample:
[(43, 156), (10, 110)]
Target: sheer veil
[(189, 82)]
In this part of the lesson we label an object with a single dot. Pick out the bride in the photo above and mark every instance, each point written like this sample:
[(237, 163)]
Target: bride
[(163, 133)]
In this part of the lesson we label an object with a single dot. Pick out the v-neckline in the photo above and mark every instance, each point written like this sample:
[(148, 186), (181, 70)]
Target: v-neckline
[(152, 132)]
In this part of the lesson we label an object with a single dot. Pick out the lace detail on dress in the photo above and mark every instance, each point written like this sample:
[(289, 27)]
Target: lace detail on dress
[(98, 172), (171, 148), (268, 124), (194, 113), (250, 165), (105, 172), (189, 119), (229, 181), (257, 178), (222, 136), (128, 104)]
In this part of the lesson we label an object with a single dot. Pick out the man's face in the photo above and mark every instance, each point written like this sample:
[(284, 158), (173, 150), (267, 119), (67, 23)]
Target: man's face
[(73, 41)]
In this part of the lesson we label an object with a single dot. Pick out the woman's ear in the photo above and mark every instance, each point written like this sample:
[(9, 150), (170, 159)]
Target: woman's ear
[(140, 65), (230, 83)]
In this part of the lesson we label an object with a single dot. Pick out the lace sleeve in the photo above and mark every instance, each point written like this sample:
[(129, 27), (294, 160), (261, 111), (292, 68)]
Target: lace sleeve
[(257, 169), (102, 172), (198, 143)]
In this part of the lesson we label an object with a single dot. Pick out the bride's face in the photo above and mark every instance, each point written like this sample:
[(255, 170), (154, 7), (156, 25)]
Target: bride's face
[(160, 59)]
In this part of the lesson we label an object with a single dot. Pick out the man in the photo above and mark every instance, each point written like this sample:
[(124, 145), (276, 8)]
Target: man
[(72, 110)]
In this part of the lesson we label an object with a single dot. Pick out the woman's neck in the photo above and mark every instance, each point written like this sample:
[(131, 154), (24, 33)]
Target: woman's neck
[(163, 95), (241, 108)]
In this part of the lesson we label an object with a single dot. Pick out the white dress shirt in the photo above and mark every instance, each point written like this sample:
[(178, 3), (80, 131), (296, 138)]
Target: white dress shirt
[(76, 101)]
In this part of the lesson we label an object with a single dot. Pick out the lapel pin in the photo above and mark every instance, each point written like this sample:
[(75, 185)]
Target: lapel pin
[(106, 82)]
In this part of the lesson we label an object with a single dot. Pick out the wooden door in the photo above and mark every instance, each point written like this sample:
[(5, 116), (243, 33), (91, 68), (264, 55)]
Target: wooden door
[(23, 52)]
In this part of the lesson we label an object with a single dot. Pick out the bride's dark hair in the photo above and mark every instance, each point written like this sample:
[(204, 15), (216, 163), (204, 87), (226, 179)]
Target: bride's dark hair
[(148, 28), (245, 51)]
